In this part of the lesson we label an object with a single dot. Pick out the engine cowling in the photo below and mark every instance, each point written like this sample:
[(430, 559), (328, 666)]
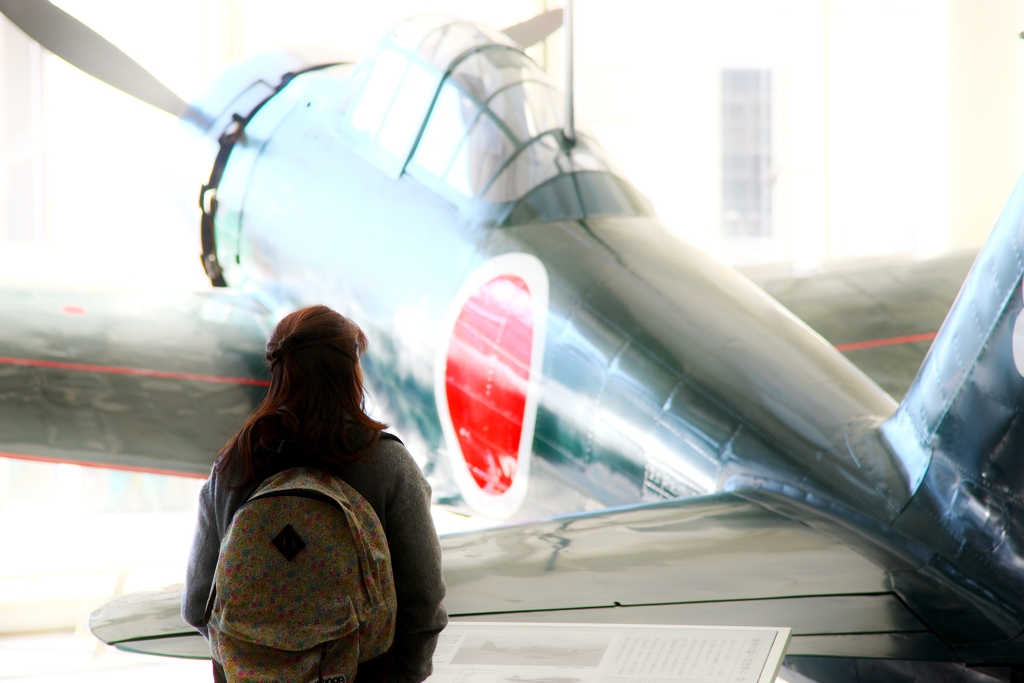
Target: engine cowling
[(214, 120)]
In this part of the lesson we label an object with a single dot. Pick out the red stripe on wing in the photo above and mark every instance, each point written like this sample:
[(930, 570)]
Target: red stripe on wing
[(138, 372), (888, 341)]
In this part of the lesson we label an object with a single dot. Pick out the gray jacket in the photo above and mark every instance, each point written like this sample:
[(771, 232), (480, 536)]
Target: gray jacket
[(394, 486)]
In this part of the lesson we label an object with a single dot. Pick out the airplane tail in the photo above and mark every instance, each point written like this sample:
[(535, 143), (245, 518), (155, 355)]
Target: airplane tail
[(959, 435)]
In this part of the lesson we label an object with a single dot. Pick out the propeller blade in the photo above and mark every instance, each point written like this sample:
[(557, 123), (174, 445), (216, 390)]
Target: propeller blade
[(534, 30), (80, 46)]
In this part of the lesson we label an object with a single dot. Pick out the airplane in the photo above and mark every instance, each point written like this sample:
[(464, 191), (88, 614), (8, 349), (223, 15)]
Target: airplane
[(687, 449)]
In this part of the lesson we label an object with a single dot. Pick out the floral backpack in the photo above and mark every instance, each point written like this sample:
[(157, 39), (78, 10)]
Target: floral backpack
[(303, 589)]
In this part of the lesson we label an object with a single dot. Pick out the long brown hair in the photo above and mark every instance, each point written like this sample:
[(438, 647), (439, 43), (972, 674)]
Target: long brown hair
[(315, 400)]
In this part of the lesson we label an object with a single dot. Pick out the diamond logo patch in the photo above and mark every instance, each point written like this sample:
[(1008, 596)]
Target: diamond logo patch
[(289, 543)]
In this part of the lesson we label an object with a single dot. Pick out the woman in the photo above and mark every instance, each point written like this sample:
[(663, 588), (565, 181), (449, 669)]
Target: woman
[(314, 415)]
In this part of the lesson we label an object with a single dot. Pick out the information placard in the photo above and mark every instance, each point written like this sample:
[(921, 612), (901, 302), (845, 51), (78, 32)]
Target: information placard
[(503, 652)]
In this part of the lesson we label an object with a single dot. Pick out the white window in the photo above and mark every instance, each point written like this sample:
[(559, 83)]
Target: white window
[(746, 153)]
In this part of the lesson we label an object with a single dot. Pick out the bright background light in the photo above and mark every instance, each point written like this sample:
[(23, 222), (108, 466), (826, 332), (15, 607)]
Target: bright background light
[(895, 128), (894, 124)]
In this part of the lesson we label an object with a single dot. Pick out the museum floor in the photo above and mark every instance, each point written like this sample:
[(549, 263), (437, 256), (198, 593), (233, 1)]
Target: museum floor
[(63, 657)]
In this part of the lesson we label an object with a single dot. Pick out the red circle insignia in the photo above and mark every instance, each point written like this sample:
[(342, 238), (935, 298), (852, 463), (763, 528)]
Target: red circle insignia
[(486, 378), (487, 373)]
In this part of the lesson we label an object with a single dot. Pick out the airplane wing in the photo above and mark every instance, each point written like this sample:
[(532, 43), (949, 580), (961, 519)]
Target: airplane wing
[(719, 560), (881, 312), (158, 381), (148, 382)]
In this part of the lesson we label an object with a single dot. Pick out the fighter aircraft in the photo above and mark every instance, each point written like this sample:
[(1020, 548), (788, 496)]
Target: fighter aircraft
[(692, 452)]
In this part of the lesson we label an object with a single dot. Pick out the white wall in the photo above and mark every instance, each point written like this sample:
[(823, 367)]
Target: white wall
[(22, 182), (860, 124), (985, 111), (896, 122)]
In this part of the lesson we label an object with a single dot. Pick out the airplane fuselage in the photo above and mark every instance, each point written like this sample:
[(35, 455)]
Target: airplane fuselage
[(545, 345), (663, 372)]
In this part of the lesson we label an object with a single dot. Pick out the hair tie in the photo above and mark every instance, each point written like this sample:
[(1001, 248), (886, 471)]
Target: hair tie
[(278, 350), (287, 346)]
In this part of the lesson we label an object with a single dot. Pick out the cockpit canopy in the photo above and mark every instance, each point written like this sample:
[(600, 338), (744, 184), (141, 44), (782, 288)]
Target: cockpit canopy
[(462, 109)]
